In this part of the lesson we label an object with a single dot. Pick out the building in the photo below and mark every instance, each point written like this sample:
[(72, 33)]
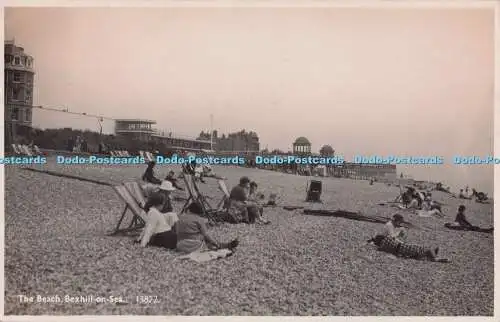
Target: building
[(237, 142), (365, 171), (302, 146), (18, 90), (176, 142), (135, 129)]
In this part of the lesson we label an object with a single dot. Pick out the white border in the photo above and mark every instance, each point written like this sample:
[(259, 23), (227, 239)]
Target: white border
[(274, 4)]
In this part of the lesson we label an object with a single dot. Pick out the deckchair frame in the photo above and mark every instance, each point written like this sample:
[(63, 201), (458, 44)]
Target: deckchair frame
[(137, 221), (225, 198), (196, 196), (16, 149)]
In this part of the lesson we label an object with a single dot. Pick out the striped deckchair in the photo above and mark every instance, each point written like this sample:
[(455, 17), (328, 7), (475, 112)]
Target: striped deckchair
[(222, 187), (195, 196), (36, 149), (26, 150), (137, 192), (16, 150), (138, 220)]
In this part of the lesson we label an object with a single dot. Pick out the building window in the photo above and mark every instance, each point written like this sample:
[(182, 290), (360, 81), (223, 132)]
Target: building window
[(27, 116), (17, 60), (8, 59), (15, 114), (16, 93), (28, 96), (28, 62), (17, 77)]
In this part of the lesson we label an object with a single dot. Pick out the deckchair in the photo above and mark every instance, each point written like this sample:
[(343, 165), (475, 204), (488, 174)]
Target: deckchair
[(196, 196), (149, 156), (225, 198), (126, 154), (136, 191), (113, 154), (37, 150), (26, 150), (138, 221), (16, 149)]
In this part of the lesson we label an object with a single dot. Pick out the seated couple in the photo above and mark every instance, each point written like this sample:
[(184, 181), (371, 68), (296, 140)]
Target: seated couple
[(186, 234), (461, 223), (244, 203), (393, 240)]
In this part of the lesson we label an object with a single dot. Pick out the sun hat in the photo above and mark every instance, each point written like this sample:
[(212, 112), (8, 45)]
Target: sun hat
[(167, 186)]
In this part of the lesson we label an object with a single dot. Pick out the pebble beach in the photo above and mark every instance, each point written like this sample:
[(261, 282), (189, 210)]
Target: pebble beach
[(56, 243)]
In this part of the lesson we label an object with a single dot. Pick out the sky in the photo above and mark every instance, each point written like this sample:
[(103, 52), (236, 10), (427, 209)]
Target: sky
[(410, 82)]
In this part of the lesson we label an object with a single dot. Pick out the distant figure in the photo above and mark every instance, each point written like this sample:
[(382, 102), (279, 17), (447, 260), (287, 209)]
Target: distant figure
[(461, 223), (401, 176), (171, 177), (149, 176), (480, 196), (461, 195)]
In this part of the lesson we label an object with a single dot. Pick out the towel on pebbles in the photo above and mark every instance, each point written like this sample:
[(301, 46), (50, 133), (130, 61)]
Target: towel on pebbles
[(206, 256)]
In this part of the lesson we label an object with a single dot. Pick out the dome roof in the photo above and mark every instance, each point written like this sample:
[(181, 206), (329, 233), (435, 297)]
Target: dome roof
[(302, 141), (327, 149)]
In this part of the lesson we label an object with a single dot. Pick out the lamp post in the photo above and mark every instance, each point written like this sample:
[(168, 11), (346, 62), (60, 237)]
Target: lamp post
[(211, 132)]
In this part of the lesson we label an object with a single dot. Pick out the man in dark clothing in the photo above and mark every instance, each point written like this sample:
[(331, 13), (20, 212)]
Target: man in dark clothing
[(149, 176), (460, 218), (171, 177), (464, 224)]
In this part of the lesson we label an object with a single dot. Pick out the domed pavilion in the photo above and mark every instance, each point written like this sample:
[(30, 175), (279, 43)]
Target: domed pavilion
[(302, 146)]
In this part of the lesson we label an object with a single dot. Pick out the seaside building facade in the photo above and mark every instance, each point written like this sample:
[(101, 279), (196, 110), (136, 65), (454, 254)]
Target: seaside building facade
[(241, 142), (135, 129), (176, 142), (19, 77)]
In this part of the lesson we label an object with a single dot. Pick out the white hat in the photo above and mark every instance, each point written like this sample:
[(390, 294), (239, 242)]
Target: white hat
[(167, 185)]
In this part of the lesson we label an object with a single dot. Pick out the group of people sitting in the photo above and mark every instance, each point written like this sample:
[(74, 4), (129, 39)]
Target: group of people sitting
[(481, 197), (187, 232), (420, 201), (245, 203)]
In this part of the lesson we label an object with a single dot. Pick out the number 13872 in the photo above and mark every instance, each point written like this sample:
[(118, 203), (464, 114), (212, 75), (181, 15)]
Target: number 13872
[(147, 299)]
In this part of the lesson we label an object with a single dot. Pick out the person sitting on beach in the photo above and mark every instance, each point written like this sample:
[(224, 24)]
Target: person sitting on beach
[(461, 195), (481, 197), (165, 193), (192, 235), (393, 228), (463, 224), (159, 230), (171, 177), (254, 206), (149, 176), (237, 204), (428, 209)]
